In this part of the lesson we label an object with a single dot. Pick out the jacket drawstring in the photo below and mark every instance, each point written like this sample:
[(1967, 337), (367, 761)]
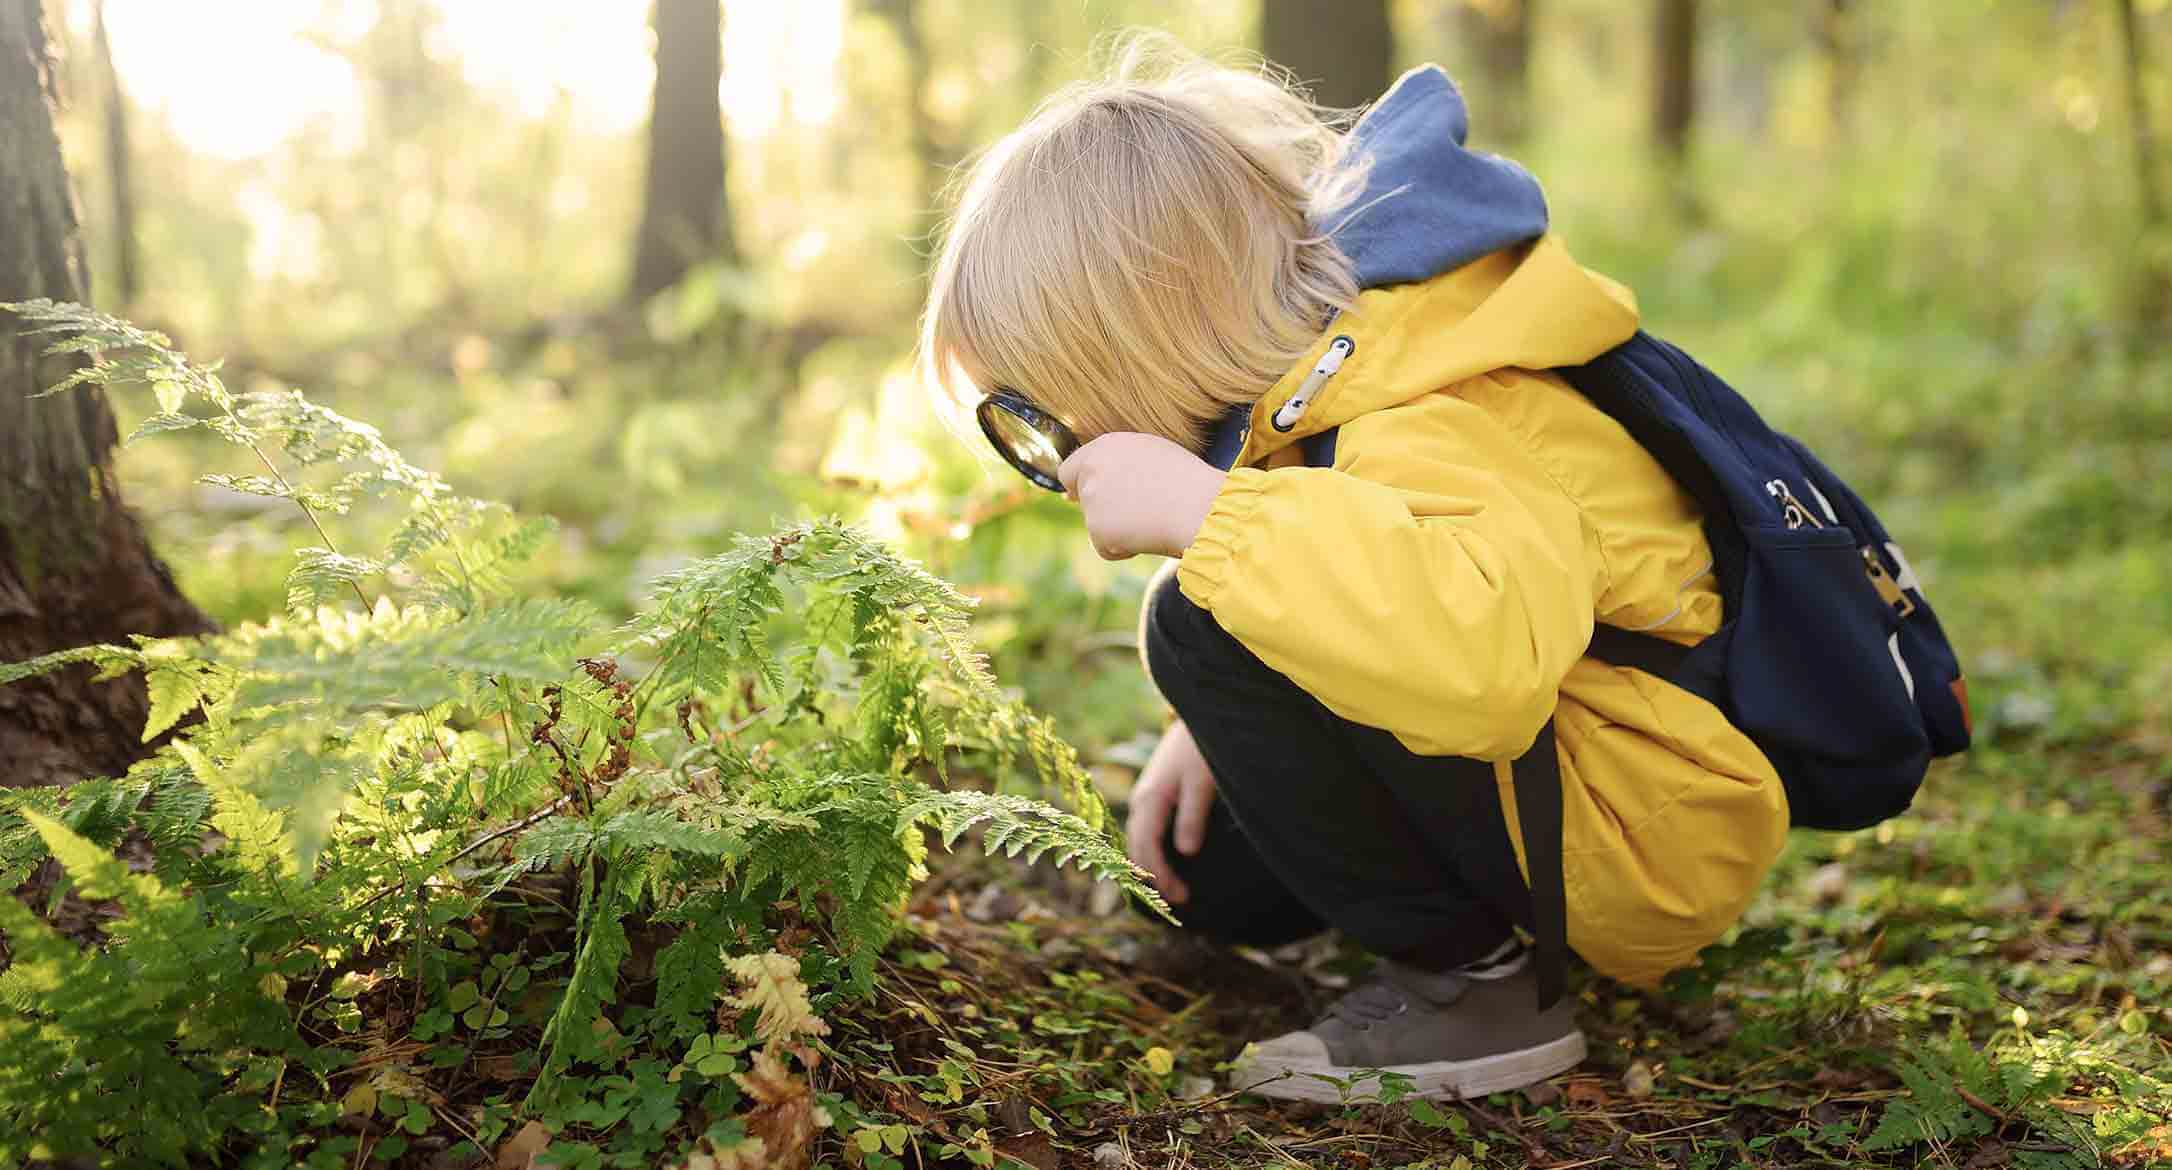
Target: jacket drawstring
[(1331, 361)]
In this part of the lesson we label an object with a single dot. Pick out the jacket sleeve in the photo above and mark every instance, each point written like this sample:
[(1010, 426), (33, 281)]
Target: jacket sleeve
[(1438, 588)]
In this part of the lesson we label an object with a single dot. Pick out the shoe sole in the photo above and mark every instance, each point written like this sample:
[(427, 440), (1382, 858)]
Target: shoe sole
[(1440, 1080)]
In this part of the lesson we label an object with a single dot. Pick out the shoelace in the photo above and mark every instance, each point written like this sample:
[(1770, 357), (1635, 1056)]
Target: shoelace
[(1378, 999)]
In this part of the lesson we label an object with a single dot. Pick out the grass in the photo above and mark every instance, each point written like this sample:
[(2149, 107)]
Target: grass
[(2013, 920)]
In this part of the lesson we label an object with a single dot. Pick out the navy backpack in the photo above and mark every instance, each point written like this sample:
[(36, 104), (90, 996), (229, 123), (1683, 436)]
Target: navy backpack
[(1827, 656)]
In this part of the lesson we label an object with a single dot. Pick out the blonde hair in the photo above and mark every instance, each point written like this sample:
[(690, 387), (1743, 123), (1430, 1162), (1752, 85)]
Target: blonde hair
[(1141, 255)]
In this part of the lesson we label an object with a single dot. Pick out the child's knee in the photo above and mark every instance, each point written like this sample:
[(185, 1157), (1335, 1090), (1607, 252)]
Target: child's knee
[(1177, 638)]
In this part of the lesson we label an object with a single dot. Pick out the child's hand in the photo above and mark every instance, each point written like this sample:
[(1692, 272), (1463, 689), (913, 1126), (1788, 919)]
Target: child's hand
[(1141, 494), (1175, 780)]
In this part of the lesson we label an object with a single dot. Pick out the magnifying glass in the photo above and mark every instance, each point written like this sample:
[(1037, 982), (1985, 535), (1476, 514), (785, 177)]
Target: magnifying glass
[(1029, 438)]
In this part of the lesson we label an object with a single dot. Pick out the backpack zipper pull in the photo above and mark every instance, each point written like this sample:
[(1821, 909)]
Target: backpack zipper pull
[(1330, 362)]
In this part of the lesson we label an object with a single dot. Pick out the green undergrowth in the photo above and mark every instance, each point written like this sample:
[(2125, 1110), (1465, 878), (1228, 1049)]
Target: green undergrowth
[(427, 873), (419, 863)]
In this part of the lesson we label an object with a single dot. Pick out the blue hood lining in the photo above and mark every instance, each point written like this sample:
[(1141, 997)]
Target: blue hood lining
[(1430, 205)]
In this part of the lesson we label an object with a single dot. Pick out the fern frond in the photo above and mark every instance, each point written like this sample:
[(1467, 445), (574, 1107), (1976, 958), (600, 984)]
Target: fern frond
[(110, 661), (1019, 826), (401, 658), (570, 1035)]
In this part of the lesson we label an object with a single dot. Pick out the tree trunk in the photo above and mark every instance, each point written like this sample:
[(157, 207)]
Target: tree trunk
[(904, 18), (1836, 34), (2139, 123), (1342, 50), (74, 567), (1674, 77), (125, 270), (1497, 34), (683, 220)]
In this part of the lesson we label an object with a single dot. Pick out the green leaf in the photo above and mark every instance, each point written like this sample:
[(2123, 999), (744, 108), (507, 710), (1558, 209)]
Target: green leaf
[(109, 659), (1427, 1114), (175, 690)]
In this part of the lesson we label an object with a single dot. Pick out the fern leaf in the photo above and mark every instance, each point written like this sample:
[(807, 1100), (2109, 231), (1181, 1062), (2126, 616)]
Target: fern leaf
[(175, 690), (321, 575), (571, 1032), (110, 660), (1019, 824)]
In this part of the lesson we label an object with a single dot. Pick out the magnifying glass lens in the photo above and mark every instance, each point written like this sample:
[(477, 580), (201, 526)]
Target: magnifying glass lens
[(1027, 438)]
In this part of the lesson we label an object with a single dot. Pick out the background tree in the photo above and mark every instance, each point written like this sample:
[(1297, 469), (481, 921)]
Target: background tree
[(1835, 31), (2156, 278), (118, 174), (1496, 39), (1343, 51), (683, 217), (1674, 76), (74, 565), (903, 17)]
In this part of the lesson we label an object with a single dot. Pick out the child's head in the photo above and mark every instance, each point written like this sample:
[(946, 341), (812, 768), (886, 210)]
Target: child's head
[(1139, 256)]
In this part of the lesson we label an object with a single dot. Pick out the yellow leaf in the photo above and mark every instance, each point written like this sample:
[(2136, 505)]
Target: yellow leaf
[(360, 1101), (1160, 1061), (773, 989)]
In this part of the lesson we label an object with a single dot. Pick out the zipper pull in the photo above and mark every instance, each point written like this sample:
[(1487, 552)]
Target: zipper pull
[(1330, 362)]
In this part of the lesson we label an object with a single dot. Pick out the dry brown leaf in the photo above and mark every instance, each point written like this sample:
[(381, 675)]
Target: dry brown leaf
[(784, 1119), (521, 1150), (1585, 1094)]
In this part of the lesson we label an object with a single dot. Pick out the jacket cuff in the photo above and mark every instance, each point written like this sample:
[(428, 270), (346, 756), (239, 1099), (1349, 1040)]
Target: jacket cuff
[(1208, 562)]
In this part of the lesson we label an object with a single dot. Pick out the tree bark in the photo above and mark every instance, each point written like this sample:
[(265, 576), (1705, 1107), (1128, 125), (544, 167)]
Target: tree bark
[(1674, 76), (1498, 36), (1342, 50), (74, 566), (683, 219)]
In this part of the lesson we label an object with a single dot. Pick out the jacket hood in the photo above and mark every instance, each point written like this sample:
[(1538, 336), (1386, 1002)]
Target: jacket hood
[(1458, 276), (1430, 204)]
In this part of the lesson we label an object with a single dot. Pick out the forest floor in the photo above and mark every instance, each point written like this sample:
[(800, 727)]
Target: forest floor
[(1980, 983)]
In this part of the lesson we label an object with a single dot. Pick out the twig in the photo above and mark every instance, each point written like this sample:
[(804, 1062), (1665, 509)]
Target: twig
[(1195, 1109), (478, 843), (1533, 1151), (1984, 1107)]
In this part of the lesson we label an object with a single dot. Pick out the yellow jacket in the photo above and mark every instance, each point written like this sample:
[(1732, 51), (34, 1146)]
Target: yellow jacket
[(1441, 581)]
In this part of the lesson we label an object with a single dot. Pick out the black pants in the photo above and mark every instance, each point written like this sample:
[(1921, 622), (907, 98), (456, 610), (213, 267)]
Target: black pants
[(1322, 822)]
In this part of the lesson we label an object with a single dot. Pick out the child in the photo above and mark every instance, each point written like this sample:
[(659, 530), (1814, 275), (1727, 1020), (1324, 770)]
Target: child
[(1194, 273)]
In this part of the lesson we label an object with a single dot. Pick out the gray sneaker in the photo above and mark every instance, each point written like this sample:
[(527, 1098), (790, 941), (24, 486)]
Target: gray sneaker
[(1452, 1035)]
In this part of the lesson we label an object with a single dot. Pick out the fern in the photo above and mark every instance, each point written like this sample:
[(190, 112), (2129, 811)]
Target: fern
[(145, 1018), (355, 793), (1017, 826)]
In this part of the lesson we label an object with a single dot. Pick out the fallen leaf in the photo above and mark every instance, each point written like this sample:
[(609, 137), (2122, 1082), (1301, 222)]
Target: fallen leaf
[(1585, 1094), (360, 1101), (1637, 1082), (1541, 1095), (1828, 884), (784, 1118), (520, 1151), (1033, 1150)]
